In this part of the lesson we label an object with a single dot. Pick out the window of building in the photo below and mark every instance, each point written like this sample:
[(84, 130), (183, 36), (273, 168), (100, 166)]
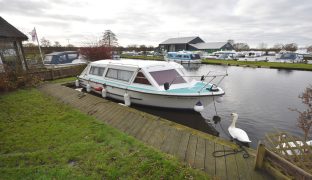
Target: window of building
[(8, 54), (170, 76), (141, 79), (97, 71), (119, 74)]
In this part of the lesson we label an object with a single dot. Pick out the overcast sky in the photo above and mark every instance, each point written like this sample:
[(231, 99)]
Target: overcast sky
[(150, 22)]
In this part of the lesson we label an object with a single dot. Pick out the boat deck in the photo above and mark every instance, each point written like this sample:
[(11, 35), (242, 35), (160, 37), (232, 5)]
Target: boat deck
[(190, 146)]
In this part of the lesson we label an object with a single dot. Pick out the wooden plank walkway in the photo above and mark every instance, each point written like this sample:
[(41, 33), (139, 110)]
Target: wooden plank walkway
[(191, 146)]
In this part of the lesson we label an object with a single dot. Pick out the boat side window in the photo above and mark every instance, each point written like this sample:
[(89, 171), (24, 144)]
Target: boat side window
[(119, 74), (179, 56), (62, 58), (186, 56), (141, 79), (170, 55), (97, 71), (170, 76), (72, 56), (48, 59)]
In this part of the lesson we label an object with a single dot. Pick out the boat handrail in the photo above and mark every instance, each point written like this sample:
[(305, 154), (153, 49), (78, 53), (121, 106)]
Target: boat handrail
[(203, 77), (115, 63)]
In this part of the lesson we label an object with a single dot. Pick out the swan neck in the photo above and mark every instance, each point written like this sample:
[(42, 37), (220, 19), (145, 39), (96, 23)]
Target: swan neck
[(234, 121)]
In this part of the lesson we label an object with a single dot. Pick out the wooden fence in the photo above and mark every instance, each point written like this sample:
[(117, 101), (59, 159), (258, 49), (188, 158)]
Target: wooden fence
[(285, 157), (58, 72)]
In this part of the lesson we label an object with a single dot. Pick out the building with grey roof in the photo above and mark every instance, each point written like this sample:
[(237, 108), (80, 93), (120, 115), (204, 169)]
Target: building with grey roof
[(193, 44), (11, 49), (213, 46), (179, 44)]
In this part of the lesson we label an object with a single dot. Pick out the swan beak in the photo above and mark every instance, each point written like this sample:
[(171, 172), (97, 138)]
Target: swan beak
[(232, 114)]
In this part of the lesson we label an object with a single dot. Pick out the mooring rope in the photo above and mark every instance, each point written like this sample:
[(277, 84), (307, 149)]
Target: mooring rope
[(230, 152)]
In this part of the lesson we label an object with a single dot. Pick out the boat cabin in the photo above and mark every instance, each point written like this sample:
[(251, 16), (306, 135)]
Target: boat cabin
[(182, 56), (61, 57), (144, 74)]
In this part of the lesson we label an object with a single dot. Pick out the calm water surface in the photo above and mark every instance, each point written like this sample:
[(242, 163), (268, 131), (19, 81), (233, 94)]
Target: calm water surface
[(261, 97)]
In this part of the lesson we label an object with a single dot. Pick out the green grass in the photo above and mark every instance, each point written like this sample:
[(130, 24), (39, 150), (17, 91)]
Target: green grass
[(275, 65), (64, 80), (41, 138)]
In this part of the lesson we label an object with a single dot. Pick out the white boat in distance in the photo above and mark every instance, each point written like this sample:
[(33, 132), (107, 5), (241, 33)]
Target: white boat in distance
[(152, 83), (183, 57)]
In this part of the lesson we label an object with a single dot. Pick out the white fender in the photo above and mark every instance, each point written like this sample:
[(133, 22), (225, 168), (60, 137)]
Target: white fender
[(219, 99), (88, 88), (198, 107), (104, 93), (77, 83), (127, 99)]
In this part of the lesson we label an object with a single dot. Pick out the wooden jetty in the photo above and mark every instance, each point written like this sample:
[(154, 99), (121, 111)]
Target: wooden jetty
[(191, 146)]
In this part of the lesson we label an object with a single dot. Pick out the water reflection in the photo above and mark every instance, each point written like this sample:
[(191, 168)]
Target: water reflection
[(285, 71)]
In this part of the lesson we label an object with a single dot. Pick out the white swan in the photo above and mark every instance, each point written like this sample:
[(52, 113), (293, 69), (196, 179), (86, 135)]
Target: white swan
[(237, 133)]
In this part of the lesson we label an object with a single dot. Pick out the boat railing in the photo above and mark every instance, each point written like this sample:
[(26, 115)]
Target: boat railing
[(117, 63), (203, 78)]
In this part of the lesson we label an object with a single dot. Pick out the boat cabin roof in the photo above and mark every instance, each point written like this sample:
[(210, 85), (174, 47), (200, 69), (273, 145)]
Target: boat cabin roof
[(183, 52), (62, 53), (131, 63)]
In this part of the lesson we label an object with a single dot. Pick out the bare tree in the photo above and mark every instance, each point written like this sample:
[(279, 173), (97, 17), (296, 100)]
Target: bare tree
[(45, 43), (305, 117), (241, 47), (132, 47), (109, 39), (309, 49), (291, 47), (278, 46), (57, 44)]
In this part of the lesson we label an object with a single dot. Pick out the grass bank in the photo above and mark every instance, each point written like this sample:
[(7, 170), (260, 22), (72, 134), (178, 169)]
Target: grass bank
[(274, 65), (41, 138), (158, 58)]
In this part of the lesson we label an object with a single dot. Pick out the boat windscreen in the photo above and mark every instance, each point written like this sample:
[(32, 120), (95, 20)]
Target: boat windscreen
[(47, 59), (195, 56), (171, 75)]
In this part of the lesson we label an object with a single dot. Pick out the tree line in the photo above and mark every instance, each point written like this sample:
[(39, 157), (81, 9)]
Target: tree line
[(109, 39), (264, 47)]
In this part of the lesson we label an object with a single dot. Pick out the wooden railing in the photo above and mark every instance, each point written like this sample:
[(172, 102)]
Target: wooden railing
[(58, 72), (283, 161)]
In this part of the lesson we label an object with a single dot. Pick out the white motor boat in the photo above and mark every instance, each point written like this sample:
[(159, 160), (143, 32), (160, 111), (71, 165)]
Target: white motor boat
[(151, 83), (183, 57)]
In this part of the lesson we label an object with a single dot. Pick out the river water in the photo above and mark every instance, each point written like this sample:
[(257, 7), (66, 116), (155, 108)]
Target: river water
[(261, 97)]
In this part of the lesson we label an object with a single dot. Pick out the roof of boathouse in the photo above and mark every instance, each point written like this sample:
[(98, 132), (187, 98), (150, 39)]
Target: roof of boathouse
[(180, 40), (209, 45), (9, 31)]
